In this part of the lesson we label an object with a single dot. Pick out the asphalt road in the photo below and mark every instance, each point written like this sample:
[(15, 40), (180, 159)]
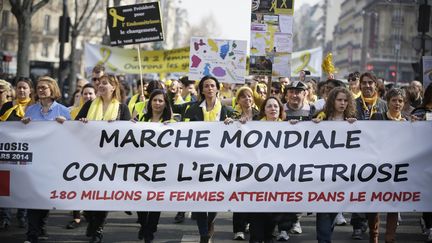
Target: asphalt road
[(123, 228)]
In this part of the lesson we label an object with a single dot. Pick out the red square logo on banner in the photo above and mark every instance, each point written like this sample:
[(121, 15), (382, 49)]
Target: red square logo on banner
[(4, 183)]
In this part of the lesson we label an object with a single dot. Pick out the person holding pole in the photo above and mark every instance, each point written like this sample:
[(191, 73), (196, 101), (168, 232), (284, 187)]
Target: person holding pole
[(106, 107)]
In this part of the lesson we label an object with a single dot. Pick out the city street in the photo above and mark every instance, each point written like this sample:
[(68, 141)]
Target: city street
[(123, 228)]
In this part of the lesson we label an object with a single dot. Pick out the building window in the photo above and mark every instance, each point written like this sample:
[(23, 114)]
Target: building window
[(57, 50), (3, 44), (45, 50), (5, 19), (98, 26), (47, 21)]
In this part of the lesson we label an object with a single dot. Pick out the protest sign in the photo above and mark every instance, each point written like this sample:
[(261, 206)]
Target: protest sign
[(271, 37), (310, 60), (427, 70), (134, 24), (121, 60), (223, 59), (209, 166)]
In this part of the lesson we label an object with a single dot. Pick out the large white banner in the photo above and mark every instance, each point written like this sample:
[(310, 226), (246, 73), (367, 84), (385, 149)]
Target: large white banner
[(373, 166)]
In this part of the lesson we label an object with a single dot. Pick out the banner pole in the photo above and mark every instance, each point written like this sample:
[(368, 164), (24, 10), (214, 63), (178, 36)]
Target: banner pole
[(141, 72)]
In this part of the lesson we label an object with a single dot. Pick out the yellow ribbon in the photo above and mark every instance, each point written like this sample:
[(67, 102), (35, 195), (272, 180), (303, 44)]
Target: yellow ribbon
[(113, 13), (305, 58), (322, 115), (106, 53), (273, 6)]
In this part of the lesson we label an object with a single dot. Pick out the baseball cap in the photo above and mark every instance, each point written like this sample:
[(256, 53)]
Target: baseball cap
[(297, 85)]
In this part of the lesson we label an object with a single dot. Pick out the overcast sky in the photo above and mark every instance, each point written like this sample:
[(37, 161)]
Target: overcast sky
[(233, 16)]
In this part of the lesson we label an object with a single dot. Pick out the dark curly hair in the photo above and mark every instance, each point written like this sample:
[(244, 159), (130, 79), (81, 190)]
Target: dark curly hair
[(329, 108)]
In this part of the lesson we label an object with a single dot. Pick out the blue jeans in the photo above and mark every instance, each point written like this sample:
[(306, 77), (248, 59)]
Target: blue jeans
[(325, 226)]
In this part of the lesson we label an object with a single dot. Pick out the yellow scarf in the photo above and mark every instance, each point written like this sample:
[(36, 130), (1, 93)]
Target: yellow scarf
[(19, 109), (188, 98), (179, 100), (212, 115), (75, 110), (356, 95), (399, 118), (372, 101), (265, 119), (96, 110)]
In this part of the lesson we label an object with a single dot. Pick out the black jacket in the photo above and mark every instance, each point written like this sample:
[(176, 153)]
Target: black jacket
[(195, 113), (123, 114)]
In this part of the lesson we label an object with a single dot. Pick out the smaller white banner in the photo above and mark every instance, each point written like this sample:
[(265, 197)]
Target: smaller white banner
[(310, 60)]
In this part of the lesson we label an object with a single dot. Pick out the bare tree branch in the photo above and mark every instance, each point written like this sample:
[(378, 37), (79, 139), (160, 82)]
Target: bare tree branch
[(83, 12), (76, 14), (38, 5), (89, 13)]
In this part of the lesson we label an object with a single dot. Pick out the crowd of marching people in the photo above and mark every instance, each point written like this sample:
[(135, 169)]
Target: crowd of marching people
[(363, 97)]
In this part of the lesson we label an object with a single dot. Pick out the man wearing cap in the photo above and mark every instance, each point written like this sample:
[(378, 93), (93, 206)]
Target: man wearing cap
[(296, 108)]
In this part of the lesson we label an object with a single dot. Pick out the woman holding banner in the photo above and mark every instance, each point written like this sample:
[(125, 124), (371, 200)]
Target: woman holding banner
[(88, 92), (140, 107), (159, 110), (15, 111), (106, 107), (46, 109), (208, 108), (339, 106), (263, 224), (395, 101), (245, 110)]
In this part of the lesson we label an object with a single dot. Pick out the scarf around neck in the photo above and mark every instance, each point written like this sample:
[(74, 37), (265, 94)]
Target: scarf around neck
[(371, 101), (96, 110), (19, 109), (212, 115)]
